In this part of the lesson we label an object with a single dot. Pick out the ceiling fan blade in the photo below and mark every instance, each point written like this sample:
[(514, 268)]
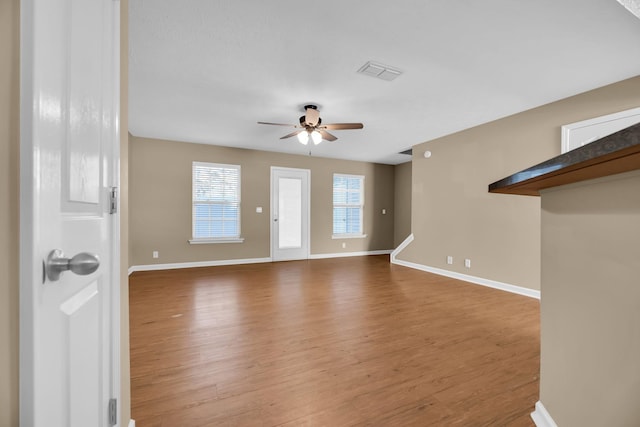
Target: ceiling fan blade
[(342, 126), (292, 134), (276, 124), (326, 135)]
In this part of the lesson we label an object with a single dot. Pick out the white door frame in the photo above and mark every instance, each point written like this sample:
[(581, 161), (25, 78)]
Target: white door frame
[(116, 268), (28, 273), (596, 128), (272, 227)]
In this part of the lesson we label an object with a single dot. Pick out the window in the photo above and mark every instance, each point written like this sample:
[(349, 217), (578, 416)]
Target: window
[(348, 204), (216, 203)]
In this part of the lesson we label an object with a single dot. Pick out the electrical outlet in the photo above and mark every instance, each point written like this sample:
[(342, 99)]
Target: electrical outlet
[(344, 245), (259, 209), (384, 211), (449, 260), (156, 254), (467, 263)]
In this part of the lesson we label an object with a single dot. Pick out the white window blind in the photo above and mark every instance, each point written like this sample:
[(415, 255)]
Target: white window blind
[(216, 201), (348, 204)]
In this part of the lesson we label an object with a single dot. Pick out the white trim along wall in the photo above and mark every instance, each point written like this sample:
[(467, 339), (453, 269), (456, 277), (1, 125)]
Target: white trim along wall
[(541, 417), (172, 266), (454, 275), (532, 293), (176, 265)]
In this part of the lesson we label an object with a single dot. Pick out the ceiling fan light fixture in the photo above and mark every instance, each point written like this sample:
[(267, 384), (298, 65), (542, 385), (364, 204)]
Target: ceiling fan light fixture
[(316, 137), (303, 137), (311, 127)]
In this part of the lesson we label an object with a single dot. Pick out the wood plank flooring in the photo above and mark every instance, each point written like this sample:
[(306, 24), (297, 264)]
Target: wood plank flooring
[(333, 342)]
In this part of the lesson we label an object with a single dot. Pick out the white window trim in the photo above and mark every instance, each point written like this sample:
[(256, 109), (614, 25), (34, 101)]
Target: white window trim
[(214, 240), (208, 241), (362, 200), (348, 236)]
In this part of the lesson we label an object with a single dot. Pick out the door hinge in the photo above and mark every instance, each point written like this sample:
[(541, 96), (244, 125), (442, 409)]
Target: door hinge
[(113, 412), (113, 200)]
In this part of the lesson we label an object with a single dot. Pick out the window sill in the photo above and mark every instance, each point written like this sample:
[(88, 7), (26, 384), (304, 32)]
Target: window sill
[(213, 241), (348, 236)]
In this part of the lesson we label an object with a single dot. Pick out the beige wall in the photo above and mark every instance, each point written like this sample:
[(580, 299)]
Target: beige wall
[(9, 224), (125, 375), (590, 311), (402, 203), (160, 201), (452, 212)]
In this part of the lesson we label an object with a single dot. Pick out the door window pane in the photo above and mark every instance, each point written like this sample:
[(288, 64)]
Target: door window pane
[(289, 213)]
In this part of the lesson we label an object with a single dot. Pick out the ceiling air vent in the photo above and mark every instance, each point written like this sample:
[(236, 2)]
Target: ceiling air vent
[(380, 71)]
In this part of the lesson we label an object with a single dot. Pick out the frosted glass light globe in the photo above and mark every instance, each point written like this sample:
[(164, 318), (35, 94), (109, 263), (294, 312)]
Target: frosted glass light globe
[(303, 137), (316, 137)]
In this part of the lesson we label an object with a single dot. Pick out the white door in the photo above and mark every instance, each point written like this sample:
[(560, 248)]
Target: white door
[(289, 214), (69, 140)]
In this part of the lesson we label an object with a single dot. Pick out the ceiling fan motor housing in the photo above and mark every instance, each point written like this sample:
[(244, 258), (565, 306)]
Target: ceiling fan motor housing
[(305, 123), (312, 115)]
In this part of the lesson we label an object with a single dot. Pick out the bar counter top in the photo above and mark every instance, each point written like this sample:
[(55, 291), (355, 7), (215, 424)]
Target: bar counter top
[(610, 155)]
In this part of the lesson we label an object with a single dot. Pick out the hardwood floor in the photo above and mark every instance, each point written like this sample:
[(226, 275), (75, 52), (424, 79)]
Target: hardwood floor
[(333, 342)]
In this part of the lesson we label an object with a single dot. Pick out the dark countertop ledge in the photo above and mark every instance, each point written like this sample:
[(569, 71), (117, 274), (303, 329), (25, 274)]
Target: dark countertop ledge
[(613, 154)]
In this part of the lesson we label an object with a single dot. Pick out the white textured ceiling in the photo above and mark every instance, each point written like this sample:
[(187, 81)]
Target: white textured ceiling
[(206, 71)]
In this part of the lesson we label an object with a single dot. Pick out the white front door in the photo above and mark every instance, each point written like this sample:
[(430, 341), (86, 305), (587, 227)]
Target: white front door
[(289, 214), (69, 150)]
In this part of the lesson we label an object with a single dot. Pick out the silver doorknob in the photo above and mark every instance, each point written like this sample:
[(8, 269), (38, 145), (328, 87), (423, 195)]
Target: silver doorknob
[(84, 263)]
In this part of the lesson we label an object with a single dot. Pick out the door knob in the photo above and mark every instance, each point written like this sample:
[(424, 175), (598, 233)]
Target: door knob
[(84, 263)]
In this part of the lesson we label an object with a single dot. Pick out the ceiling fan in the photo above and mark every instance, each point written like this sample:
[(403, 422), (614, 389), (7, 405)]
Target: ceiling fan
[(311, 127)]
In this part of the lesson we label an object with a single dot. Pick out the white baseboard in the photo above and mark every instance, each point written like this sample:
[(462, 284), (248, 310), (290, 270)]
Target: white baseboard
[(172, 266), (349, 254), (401, 247), (541, 417), (531, 293), (132, 423)]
